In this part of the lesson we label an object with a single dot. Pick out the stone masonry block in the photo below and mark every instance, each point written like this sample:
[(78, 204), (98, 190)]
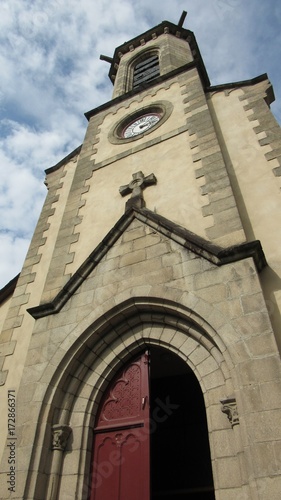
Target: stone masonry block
[(228, 472), (215, 176), (117, 275), (13, 322), (205, 132), (215, 185), (222, 229), (170, 259), (217, 294), (197, 104), (20, 290), (201, 140), (13, 312), (220, 194), (179, 339), (198, 355), (212, 167), (214, 381), (273, 154), (7, 348), (26, 271), (65, 232), (264, 426), (208, 144), (258, 370), (133, 234), (108, 264), (120, 249), (3, 376), (152, 278), (69, 222), (198, 123), (33, 250), (62, 260), (147, 266), (191, 267), (251, 398), (20, 300), (207, 366), (132, 258), (270, 486), (219, 206), (6, 336), (206, 153), (277, 171), (252, 303), (207, 279), (67, 240), (213, 158), (271, 395), (154, 248), (189, 346), (223, 443), (256, 322)]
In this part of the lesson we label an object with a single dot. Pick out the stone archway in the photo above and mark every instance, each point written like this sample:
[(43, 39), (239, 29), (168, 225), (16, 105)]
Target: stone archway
[(150, 436), (86, 370)]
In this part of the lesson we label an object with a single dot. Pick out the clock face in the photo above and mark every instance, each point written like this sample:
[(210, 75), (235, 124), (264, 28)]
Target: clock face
[(141, 125)]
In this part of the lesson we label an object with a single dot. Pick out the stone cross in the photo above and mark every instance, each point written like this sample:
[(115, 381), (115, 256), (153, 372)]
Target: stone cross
[(136, 187)]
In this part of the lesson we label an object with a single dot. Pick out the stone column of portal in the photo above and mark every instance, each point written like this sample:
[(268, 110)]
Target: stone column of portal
[(229, 407), (60, 435)]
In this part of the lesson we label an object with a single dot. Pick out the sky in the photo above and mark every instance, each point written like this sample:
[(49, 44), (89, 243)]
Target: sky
[(51, 75)]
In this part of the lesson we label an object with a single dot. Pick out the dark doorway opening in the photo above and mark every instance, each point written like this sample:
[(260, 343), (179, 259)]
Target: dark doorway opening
[(180, 453)]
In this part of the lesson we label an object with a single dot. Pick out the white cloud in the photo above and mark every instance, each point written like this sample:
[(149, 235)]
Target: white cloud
[(51, 74)]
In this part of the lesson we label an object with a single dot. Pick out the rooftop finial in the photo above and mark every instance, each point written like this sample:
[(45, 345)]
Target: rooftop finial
[(182, 18), (106, 58)]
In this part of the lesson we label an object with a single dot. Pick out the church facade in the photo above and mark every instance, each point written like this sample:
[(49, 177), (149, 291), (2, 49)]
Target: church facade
[(140, 344)]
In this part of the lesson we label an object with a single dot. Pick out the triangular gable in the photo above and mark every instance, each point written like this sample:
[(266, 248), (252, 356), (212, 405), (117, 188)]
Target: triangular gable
[(196, 244)]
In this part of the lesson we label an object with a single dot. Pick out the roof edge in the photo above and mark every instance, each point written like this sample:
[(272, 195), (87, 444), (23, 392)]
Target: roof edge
[(71, 155), (8, 289), (270, 97)]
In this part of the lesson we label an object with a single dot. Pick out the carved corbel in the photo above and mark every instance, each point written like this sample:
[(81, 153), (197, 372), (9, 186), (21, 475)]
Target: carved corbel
[(229, 407), (60, 435)]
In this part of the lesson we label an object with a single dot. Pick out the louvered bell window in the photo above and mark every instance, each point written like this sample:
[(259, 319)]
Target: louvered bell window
[(146, 70)]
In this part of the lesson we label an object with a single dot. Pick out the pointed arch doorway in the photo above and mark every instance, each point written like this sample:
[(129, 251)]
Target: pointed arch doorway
[(151, 438)]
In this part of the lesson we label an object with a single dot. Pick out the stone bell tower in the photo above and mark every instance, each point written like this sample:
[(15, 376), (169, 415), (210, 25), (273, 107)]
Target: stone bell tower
[(140, 340)]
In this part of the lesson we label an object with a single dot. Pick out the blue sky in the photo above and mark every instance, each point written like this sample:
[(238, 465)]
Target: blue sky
[(51, 74)]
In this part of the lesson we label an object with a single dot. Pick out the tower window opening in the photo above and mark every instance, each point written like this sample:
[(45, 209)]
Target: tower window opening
[(146, 70)]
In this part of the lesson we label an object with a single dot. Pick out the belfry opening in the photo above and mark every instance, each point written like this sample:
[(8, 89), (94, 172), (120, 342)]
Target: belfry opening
[(151, 438)]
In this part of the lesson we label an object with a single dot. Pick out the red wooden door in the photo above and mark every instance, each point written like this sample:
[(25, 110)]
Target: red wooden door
[(120, 469)]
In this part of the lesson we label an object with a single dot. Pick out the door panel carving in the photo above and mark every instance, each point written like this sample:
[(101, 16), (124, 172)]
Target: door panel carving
[(120, 468)]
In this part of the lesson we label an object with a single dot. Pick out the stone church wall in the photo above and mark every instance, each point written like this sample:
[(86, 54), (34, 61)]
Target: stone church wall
[(214, 318)]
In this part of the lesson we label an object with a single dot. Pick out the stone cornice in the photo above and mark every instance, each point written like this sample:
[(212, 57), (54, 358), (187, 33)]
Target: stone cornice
[(165, 27), (147, 85), (244, 83)]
